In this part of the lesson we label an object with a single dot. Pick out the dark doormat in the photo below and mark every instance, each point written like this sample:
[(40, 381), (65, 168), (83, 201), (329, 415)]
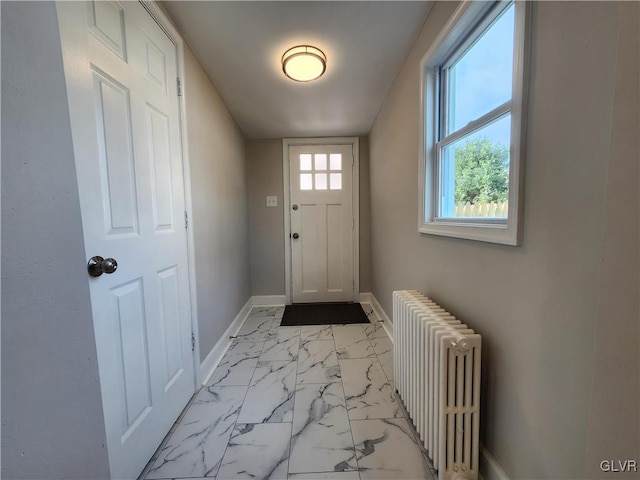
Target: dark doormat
[(323, 314)]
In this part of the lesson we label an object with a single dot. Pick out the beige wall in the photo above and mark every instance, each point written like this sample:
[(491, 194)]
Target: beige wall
[(52, 422), (536, 305), (365, 217), (219, 195), (266, 224), (614, 420), (264, 175)]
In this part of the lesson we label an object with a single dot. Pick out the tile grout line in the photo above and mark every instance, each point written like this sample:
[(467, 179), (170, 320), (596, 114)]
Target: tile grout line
[(235, 423), (412, 428), (346, 408), (293, 408), (295, 391)]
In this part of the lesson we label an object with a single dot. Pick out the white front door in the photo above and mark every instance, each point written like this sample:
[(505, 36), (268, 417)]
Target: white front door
[(121, 74), (322, 223)]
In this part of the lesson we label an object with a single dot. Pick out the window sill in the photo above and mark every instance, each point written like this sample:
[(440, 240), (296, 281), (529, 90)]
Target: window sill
[(501, 233)]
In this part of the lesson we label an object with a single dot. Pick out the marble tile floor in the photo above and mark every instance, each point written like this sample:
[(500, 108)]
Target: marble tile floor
[(295, 403)]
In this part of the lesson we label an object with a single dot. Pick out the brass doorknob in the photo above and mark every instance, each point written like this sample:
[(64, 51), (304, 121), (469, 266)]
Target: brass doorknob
[(97, 265)]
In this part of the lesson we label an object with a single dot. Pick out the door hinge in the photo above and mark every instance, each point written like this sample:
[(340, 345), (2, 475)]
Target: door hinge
[(179, 87), (186, 219), (353, 223), (353, 161), (193, 342)]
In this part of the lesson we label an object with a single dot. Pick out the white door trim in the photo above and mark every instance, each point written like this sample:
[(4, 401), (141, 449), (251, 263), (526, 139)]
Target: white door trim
[(288, 142), (163, 21)]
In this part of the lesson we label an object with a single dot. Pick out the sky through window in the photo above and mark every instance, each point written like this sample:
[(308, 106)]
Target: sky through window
[(481, 79)]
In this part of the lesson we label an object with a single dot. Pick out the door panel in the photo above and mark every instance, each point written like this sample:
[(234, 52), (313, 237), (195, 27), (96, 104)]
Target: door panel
[(170, 314), (113, 122), (335, 248), (156, 65), (158, 129), (121, 75), (321, 215), (310, 244), (106, 22), (132, 350)]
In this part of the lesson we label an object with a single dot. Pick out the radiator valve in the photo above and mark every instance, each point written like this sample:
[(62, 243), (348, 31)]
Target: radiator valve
[(461, 346)]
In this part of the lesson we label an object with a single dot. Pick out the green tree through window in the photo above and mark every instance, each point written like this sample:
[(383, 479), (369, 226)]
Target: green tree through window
[(482, 171)]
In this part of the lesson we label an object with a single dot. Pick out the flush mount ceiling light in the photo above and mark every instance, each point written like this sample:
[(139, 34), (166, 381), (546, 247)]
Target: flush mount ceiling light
[(304, 63)]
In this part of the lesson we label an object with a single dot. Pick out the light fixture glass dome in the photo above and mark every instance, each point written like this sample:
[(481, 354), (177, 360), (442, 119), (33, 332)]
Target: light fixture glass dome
[(304, 63)]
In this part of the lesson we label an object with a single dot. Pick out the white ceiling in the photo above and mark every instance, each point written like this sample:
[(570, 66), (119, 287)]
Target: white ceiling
[(240, 45)]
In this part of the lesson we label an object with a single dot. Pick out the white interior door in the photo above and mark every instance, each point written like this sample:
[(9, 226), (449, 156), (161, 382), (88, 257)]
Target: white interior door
[(322, 223), (121, 74)]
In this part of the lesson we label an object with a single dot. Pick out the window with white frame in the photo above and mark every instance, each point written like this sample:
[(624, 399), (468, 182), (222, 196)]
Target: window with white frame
[(473, 91)]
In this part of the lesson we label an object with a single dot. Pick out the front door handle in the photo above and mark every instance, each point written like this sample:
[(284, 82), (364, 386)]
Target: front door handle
[(296, 236), (97, 265)]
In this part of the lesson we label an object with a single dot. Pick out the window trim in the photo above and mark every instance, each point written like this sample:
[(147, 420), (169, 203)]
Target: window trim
[(452, 38)]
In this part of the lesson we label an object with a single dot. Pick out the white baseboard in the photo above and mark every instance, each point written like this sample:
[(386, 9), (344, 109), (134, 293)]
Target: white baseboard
[(211, 361), (378, 311), (268, 300), (489, 468), (365, 297), (365, 302)]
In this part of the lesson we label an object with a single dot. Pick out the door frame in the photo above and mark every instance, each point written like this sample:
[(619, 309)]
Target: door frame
[(161, 18), (355, 198)]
